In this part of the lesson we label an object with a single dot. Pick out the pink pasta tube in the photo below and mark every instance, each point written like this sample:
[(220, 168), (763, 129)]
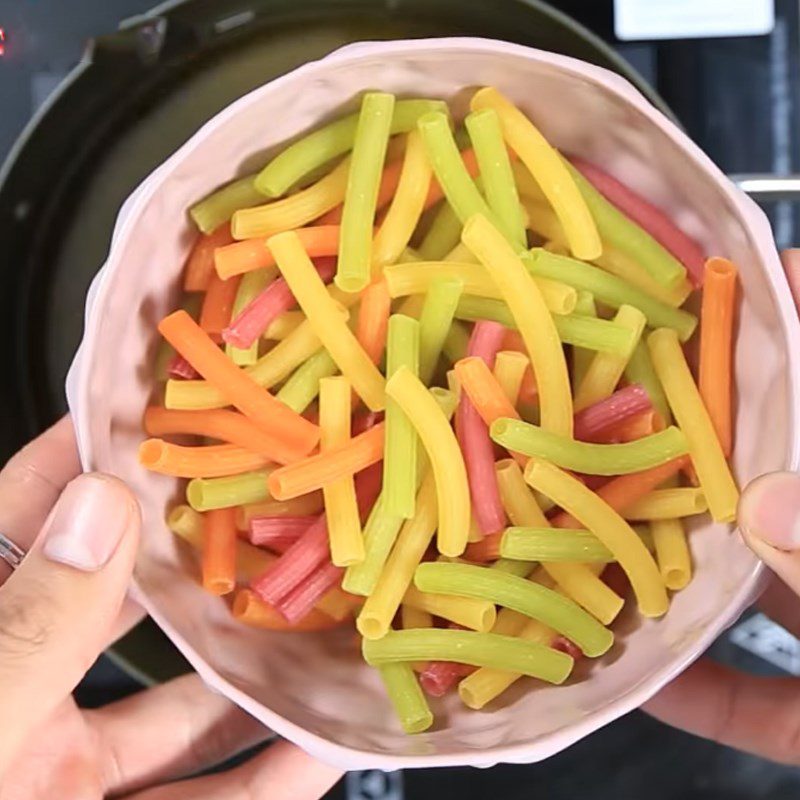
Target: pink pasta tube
[(295, 565), (311, 550), (257, 315), (278, 533), (180, 369), (439, 677), (299, 602), (473, 438), (593, 422)]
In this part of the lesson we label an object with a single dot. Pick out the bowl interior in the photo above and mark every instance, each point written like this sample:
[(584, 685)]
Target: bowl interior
[(314, 688)]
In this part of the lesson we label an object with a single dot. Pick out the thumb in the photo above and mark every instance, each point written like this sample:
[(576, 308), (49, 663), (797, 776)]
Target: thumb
[(57, 609), (769, 518)]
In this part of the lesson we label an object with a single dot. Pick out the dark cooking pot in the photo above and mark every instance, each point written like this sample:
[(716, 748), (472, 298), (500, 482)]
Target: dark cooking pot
[(135, 97)]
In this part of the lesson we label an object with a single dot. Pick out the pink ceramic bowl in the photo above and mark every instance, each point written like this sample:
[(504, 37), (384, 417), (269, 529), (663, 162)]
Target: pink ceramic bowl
[(313, 688)]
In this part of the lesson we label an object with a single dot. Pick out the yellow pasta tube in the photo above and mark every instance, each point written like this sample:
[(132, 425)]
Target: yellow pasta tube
[(692, 417), (524, 300), (509, 369), (485, 684), (550, 172), (341, 508), (283, 325), (461, 254), (605, 369), (187, 523), (411, 617), (477, 615), (667, 504), (406, 208), (325, 320), (609, 527), (672, 553), (293, 211), (416, 278), (375, 617), (447, 465), (577, 581)]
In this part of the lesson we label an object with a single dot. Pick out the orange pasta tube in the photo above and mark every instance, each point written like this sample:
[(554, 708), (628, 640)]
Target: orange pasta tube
[(200, 265), (219, 551), (373, 320), (716, 333), (238, 388), (252, 254), (227, 426), (484, 391), (212, 461), (251, 610), (486, 394), (316, 471), (627, 489), (215, 313), (645, 424)]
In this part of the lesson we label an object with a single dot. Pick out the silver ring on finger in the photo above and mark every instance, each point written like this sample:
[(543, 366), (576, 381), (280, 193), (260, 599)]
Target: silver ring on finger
[(10, 552)]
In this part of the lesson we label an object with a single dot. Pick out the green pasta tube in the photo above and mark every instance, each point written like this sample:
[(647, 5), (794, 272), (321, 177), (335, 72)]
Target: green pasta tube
[(358, 212), (205, 494), (380, 533), (640, 369), (582, 356), (442, 236), (575, 329), (499, 185), (406, 696), (250, 285), (381, 529), (553, 544), (512, 567), (608, 289), (302, 386), (323, 145), (434, 323), (591, 459), (521, 595), (455, 343), (628, 237), (459, 189), (468, 647), (218, 207), (400, 454)]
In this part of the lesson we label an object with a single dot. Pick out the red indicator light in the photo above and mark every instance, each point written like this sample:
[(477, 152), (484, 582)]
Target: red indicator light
[(2, 41)]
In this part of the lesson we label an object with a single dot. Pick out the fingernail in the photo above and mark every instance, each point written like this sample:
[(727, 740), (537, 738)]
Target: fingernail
[(88, 522), (770, 509)]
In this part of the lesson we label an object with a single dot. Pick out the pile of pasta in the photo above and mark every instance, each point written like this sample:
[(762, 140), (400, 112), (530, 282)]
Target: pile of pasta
[(438, 377)]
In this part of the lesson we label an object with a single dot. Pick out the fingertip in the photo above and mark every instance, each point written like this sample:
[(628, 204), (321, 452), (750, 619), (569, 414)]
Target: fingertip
[(769, 510), (94, 515)]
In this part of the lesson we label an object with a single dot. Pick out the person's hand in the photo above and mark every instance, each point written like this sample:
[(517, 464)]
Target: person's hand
[(58, 611), (757, 714)]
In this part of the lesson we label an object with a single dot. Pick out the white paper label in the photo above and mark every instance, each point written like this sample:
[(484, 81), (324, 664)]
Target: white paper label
[(687, 19)]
